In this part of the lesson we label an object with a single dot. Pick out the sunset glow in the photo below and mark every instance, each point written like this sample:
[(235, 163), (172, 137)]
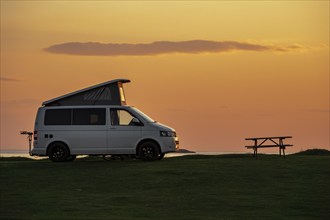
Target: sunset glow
[(216, 71)]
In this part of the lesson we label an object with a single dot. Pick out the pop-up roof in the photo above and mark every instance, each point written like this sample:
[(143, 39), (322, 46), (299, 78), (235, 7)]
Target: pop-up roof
[(107, 93)]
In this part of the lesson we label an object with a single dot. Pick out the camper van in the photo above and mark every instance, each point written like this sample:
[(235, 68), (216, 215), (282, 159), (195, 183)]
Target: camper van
[(97, 121)]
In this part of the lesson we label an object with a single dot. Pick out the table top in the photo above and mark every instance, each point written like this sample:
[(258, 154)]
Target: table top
[(278, 137)]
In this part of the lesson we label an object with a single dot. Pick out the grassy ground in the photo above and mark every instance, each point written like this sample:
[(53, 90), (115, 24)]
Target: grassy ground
[(189, 187)]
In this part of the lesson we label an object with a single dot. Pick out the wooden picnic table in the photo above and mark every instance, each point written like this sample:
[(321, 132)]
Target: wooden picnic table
[(264, 142)]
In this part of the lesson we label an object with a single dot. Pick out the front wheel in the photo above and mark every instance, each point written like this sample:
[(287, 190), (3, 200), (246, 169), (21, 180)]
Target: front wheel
[(148, 151), (58, 152)]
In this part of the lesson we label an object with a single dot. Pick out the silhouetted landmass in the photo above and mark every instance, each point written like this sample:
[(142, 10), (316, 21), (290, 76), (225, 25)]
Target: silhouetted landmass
[(314, 152), (184, 151)]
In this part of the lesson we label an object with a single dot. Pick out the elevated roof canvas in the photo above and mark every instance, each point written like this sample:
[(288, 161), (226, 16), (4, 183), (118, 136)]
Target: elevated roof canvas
[(116, 81)]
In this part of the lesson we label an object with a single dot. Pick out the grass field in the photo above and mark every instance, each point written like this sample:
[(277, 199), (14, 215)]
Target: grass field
[(189, 187)]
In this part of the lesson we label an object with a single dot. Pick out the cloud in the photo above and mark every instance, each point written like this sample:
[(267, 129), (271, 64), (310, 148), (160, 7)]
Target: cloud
[(162, 47), (6, 79)]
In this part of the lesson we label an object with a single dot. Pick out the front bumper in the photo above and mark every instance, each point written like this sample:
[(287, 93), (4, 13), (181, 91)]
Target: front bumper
[(170, 144)]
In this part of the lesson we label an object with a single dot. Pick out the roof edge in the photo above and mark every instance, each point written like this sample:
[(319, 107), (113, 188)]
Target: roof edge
[(86, 89)]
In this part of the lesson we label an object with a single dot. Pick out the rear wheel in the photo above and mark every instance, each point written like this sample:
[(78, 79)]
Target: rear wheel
[(148, 151), (58, 152)]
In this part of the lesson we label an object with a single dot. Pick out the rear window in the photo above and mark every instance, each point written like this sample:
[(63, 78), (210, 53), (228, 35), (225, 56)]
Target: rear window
[(58, 117), (86, 116)]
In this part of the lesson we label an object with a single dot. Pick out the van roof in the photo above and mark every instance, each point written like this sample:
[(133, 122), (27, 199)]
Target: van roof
[(116, 81), (86, 106)]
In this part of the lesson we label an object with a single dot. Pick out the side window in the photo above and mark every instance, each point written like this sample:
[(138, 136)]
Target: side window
[(57, 117), (89, 116), (121, 117)]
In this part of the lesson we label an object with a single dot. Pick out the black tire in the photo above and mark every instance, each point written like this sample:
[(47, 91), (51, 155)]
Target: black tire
[(148, 151), (58, 152), (160, 156), (71, 158)]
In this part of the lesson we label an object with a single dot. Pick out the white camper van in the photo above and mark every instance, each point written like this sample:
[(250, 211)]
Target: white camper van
[(97, 121)]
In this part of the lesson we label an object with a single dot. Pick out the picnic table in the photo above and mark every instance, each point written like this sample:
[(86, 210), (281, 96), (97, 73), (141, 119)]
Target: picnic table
[(264, 142)]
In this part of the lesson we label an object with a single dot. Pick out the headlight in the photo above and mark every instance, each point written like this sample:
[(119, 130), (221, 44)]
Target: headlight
[(167, 134)]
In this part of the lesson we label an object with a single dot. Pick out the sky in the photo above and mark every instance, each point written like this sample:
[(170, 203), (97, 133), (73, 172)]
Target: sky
[(216, 71)]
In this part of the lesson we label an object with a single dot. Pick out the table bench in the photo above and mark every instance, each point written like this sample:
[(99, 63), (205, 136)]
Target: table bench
[(271, 142)]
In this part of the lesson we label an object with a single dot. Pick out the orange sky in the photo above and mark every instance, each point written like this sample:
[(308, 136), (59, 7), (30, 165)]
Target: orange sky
[(214, 99)]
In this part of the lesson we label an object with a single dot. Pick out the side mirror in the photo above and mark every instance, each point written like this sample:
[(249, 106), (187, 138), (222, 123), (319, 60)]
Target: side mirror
[(135, 122)]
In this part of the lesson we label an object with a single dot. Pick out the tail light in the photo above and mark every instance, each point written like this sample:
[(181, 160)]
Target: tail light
[(35, 135)]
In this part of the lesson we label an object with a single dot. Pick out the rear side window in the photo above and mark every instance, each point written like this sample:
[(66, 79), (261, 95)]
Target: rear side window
[(89, 116), (83, 116), (58, 117)]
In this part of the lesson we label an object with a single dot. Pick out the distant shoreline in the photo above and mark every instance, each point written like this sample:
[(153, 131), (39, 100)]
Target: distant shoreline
[(185, 151)]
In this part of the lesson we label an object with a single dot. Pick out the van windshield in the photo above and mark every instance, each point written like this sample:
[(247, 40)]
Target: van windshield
[(144, 116)]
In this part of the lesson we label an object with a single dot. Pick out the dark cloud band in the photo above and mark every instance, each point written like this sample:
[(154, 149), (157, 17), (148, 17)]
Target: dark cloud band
[(161, 47), (6, 79)]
